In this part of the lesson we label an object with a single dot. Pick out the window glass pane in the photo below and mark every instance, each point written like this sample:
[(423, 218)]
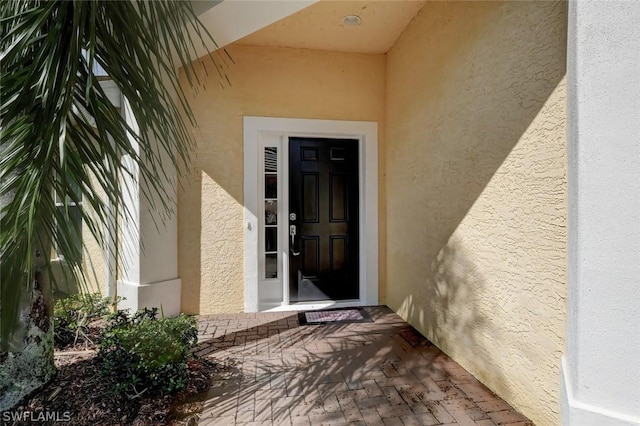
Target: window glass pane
[(271, 239), (271, 212), (270, 186), (74, 191), (271, 266), (271, 159), (73, 226)]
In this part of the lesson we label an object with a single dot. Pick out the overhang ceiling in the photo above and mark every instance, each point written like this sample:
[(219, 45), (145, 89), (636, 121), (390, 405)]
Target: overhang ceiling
[(320, 26), (230, 20)]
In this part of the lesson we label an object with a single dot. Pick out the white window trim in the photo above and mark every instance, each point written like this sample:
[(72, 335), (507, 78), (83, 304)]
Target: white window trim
[(283, 128)]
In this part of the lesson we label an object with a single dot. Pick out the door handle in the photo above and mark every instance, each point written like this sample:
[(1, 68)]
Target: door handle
[(292, 232)]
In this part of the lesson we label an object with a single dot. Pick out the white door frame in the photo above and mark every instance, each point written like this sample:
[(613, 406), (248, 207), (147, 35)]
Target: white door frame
[(261, 130)]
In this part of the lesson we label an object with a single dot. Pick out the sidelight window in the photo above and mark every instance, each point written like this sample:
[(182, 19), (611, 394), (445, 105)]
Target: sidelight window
[(271, 212)]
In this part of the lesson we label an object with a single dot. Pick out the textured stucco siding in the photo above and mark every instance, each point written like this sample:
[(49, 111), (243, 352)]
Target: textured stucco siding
[(94, 254), (476, 191), (271, 82)]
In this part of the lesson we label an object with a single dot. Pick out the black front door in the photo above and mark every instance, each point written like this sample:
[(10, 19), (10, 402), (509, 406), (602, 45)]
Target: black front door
[(323, 207)]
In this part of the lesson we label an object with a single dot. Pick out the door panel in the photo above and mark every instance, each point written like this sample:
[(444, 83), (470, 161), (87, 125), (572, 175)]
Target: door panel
[(323, 196), (310, 256), (338, 201), (310, 197)]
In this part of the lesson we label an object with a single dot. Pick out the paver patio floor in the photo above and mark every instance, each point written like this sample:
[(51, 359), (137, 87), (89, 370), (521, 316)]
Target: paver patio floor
[(377, 373)]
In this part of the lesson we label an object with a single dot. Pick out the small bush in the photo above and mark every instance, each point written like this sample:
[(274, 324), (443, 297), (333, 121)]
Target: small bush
[(144, 354), (72, 316)]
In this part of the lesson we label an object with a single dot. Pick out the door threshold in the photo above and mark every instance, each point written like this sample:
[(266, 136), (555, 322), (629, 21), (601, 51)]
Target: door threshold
[(315, 305)]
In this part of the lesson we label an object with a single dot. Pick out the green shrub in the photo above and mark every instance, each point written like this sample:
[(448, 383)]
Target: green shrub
[(145, 354), (72, 315)]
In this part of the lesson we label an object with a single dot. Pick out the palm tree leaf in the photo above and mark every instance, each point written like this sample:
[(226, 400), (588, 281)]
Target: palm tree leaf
[(60, 131)]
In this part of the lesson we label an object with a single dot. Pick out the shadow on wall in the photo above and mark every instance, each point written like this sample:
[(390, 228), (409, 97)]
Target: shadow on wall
[(455, 114), (452, 304), (269, 82), (190, 194), (210, 195), (209, 204)]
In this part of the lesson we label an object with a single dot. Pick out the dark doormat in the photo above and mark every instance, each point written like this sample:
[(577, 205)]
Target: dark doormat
[(333, 316)]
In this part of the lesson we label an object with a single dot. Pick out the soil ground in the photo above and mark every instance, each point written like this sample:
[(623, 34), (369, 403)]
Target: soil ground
[(79, 395)]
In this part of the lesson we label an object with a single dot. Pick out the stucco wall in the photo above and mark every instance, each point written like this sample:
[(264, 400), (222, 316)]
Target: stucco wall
[(272, 82), (476, 191), (94, 255)]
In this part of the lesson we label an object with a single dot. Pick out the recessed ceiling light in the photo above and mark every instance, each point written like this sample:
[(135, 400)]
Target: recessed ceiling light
[(351, 20)]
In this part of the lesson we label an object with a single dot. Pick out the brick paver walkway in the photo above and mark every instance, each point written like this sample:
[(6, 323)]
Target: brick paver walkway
[(379, 373)]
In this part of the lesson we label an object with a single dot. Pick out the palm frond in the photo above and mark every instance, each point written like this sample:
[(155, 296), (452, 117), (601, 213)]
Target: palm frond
[(57, 121)]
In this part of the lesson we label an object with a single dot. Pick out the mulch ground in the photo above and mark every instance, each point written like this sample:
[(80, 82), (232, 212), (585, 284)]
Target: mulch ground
[(79, 395)]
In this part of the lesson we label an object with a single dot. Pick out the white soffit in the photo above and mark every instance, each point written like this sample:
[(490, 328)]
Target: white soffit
[(231, 20)]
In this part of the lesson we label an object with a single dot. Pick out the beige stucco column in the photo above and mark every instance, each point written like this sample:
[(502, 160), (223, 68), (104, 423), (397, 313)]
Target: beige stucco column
[(148, 241), (601, 368)]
